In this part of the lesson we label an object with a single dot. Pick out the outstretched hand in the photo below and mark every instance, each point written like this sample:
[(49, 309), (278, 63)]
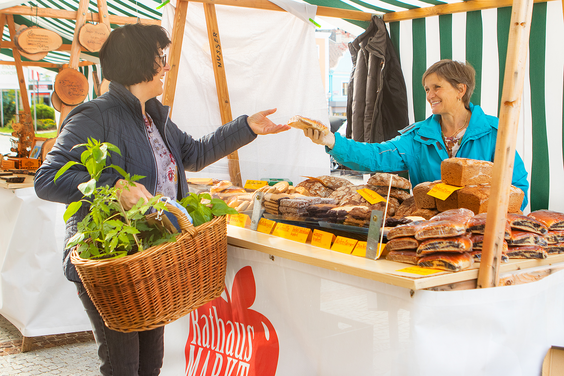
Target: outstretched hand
[(320, 138), (130, 195), (261, 125)]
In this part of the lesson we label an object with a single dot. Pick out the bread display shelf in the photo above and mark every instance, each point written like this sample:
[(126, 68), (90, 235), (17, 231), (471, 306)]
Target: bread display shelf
[(380, 270), (27, 183)]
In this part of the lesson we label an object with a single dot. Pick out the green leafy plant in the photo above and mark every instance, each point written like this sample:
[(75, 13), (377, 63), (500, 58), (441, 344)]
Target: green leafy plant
[(108, 230), (203, 208)]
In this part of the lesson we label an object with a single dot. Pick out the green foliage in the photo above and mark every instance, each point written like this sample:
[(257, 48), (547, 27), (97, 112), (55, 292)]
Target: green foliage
[(42, 111), (9, 105), (202, 208), (46, 124), (108, 230)]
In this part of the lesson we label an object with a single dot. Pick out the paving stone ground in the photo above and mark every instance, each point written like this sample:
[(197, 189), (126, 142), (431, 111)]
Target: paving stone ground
[(72, 354)]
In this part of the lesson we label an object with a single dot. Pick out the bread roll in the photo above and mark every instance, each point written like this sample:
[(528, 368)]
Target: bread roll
[(301, 122), (463, 171), (453, 262)]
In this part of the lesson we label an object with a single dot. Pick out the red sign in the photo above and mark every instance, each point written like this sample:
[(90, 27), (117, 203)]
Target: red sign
[(229, 338)]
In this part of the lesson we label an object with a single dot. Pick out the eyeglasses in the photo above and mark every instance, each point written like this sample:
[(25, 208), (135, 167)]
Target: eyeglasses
[(163, 59)]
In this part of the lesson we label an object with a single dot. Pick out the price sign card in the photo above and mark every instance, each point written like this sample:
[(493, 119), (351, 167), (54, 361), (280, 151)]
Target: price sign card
[(442, 191), (344, 245), (202, 181), (296, 233), (239, 220), (265, 225), (419, 270), (370, 196), (322, 239), (255, 184), (360, 249)]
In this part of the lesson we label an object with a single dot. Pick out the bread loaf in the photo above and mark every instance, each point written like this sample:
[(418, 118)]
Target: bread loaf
[(304, 123), (447, 261), (451, 202), (422, 199), (551, 219), (383, 179), (408, 257), (475, 198), (463, 171)]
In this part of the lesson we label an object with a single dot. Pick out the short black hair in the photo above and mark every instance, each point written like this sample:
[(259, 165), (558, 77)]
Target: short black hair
[(129, 54)]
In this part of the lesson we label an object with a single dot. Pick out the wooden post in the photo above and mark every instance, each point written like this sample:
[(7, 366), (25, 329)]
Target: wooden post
[(175, 52), (519, 31), (19, 69), (103, 14), (74, 53), (221, 86)]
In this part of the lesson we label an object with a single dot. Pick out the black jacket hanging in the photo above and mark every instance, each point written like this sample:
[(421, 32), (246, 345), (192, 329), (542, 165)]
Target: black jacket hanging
[(377, 97)]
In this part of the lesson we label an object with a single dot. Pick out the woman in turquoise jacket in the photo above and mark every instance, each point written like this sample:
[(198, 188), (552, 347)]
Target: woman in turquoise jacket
[(457, 128)]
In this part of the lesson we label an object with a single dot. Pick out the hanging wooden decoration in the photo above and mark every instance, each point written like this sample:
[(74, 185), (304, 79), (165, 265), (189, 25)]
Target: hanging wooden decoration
[(92, 36), (35, 39), (56, 101), (71, 86), (35, 57)]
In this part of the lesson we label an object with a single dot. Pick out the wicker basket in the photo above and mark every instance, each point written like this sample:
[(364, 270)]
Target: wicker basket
[(161, 284)]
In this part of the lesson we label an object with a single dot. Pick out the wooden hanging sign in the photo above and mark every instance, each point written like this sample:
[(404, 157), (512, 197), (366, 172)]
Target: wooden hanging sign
[(35, 39), (92, 36), (71, 86), (56, 101)]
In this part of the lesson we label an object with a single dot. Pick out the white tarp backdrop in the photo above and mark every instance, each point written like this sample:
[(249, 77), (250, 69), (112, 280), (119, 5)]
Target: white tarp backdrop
[(270, 62)]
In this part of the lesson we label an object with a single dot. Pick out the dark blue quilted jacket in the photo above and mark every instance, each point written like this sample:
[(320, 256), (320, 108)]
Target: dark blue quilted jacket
[(116, 117)]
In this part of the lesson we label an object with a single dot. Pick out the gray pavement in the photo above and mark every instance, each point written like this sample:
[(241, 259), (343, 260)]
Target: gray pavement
[(71, 354)]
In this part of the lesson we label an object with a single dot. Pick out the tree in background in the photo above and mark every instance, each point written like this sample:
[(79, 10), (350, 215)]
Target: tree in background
[(9, 106)]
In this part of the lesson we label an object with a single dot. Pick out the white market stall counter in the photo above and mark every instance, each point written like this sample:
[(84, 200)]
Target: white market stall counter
[(380, 270), (305, 310)]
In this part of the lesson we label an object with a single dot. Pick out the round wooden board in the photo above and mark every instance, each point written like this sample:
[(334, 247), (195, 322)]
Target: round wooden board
[(56, 101), (92, 36), (71, 86), (36, 39), (35, 57)]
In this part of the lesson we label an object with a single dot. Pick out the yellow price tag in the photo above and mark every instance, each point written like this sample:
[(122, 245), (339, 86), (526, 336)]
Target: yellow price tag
[(360, 249), (344, 245), (239, 220), (255, 184), (370, 196), (265, 225), (202, 181), (322, 239), (419, 270), (296, 233), (442, 191)]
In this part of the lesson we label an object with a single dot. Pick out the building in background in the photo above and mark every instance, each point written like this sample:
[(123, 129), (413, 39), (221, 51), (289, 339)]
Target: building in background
[(336, 65)]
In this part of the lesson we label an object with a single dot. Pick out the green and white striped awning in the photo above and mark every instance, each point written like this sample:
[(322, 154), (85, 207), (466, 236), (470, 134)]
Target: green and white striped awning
[(145, 9)]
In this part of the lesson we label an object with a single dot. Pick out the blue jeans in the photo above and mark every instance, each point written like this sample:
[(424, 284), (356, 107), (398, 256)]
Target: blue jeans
[(124, 354)]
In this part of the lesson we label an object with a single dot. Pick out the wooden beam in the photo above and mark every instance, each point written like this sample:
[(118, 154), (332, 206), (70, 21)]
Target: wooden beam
[(437, 10), (72, 15), (19, 70), (267, 5), (518, 43), (64, 46), (103, 13), (175, 53), (221, 86), (43, 64)]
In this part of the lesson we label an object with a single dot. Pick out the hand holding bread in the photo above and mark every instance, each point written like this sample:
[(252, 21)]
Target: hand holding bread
[(313, 129)]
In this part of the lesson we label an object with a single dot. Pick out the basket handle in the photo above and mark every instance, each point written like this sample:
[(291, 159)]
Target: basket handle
[(183, 221)]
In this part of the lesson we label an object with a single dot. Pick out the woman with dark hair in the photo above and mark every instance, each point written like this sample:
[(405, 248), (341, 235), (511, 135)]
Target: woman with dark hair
[(130, 117), (457, 128)]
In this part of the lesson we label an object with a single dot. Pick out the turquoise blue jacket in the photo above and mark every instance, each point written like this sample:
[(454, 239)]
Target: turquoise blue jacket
[(420, 150)]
